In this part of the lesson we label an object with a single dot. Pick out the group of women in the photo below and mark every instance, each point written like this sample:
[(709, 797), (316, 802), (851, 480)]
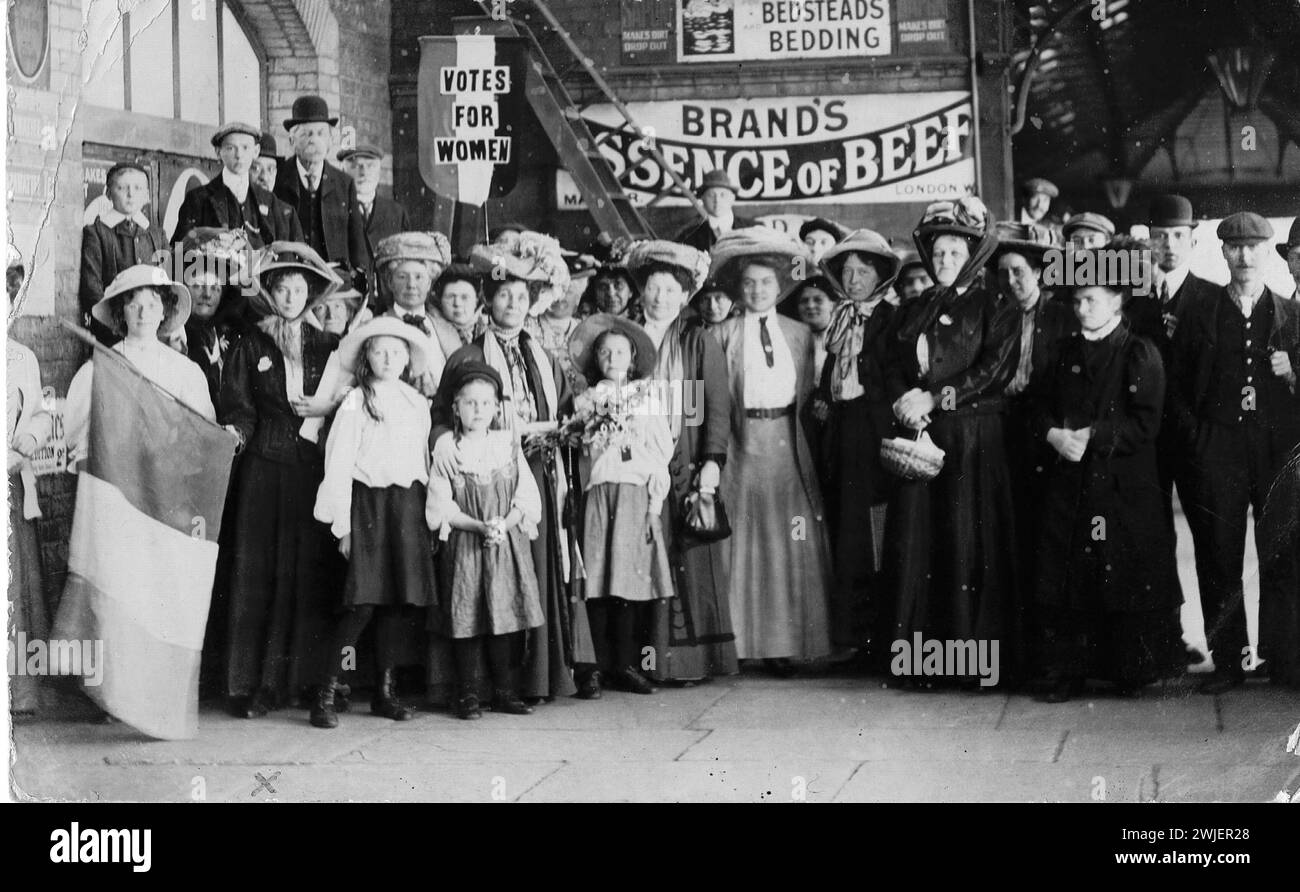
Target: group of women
[(527, 527)]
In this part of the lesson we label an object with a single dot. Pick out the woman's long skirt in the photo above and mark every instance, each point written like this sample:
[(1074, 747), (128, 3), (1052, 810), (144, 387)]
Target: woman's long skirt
[(780, 561), (692, 633), (285, 582), (27, 610), (951, 542)]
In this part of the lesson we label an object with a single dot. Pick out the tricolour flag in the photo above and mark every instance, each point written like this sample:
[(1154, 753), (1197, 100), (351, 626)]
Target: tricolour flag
[(144, 547), (470, 101)]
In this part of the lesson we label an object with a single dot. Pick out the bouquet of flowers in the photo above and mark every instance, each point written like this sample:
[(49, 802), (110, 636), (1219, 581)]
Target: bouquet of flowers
[(602, 414)]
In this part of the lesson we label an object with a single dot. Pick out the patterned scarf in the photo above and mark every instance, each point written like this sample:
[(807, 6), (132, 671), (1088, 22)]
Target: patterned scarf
[(844, 338)]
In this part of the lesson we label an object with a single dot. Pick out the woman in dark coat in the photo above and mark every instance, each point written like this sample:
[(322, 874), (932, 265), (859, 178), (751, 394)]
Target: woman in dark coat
[(536, 395), (691, 634), (862, 267), (1107, 581), (286, 571), (950, 355)]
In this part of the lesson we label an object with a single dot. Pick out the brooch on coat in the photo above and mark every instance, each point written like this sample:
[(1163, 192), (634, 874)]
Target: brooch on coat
[(265, 209), (264, 363), (945, 319)]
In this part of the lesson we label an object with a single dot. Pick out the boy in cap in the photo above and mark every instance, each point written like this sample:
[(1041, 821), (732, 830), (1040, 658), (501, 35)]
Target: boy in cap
[(1087, 230), (324, 197), (383, 216), (232, 200), (1234, 404), (119, 239), (717, 193)]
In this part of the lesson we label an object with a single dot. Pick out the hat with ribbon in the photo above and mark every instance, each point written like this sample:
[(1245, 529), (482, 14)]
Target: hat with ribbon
[(384, 326), (644, 254), (582, 345), (966, 218), (309, 110), (322, 281), (142, 275), (789, 257)]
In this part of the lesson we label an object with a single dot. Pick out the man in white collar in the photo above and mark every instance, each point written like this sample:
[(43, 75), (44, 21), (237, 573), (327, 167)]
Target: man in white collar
[(324, 197), (119, 239), (383, 216), (1234, 402), (1173, 240), (717, 193), (231, 200)]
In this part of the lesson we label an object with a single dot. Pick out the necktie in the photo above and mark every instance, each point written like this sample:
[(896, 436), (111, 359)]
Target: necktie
[(365, 212), (1164, 293), (765, 338), (420, 322), (313, 180)]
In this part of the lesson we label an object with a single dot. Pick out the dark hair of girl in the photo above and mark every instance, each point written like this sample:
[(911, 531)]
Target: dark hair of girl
[(452, 276), (117, 306), (684, 278), (366, 378)]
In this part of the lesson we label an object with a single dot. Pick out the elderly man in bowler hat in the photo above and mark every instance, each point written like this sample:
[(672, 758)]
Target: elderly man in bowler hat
[(324, 197), (383, 216), (717, 193), (1235, 406), (232, 200)]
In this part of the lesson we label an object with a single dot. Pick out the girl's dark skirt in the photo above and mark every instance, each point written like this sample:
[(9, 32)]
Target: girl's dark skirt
[(392, 557)]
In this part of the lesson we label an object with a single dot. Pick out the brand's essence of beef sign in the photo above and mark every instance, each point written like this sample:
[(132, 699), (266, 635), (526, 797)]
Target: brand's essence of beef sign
[(865, 149), (723, 30)]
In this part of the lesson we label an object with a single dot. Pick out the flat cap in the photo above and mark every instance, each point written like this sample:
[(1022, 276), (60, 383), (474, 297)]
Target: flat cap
[(1038, 184), (236, 127), (1089, 220), (1244, 226), (1169, 211), (362, 151)]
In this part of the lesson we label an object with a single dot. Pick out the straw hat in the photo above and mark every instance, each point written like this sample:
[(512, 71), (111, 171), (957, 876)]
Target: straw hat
[(321, 280), (350, 347), (695, 263), (870, 244), (734, 248), (142, 275), (582, 345)]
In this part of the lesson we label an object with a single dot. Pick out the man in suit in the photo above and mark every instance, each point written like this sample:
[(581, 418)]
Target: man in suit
[(120, 237), (266, 165), (1235, 406), (231, 200), (718, 194), (324, 197), (383, 216)]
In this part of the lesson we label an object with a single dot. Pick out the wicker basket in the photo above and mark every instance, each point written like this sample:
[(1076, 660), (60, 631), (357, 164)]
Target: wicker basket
[(917, 459)]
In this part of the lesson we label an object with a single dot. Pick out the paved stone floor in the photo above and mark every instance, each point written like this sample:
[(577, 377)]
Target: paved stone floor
[(746, 739)]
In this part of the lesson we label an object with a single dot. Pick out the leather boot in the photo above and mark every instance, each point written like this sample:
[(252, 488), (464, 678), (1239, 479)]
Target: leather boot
[(323, 714), (505, 697), (385, 702)]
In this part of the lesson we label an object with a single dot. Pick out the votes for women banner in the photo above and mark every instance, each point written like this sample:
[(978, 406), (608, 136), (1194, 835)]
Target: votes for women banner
[(143, 549), (859, 149)]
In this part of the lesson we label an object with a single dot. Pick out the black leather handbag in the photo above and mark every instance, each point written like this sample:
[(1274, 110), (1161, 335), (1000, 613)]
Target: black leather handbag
[(705, 517)]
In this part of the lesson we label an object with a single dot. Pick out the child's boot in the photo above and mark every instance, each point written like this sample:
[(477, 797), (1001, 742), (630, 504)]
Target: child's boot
[(323, 714), (385, 702)]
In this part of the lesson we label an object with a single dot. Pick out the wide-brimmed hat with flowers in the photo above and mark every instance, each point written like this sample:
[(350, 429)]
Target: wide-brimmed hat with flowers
[(693, 262), (533, 258), (1030, 240), (966, 218), (734, 249), (582, 345), (321, 280), (142, 275), (352, 344)]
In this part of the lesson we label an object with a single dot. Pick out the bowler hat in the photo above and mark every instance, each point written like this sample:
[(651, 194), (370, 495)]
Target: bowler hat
[(267, 142), (1038, 184), (309, 110), (235, 127), (1244, 226), (716, 179), (1168, 211), (362, 151), (1292, 240), (142, 275)]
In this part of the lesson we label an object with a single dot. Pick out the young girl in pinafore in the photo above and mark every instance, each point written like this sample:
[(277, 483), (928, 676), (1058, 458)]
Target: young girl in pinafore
[(373, 496), (486, 514)]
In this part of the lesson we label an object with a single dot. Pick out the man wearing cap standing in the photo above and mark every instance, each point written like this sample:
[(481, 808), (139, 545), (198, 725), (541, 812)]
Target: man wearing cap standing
[(324, 197), (1087, 230), (717, 193), (383, 216), (1036, 196), (1235, 406), (231, 200)]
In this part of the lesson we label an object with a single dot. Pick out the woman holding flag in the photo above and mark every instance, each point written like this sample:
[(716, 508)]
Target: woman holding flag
[(152, 482)]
